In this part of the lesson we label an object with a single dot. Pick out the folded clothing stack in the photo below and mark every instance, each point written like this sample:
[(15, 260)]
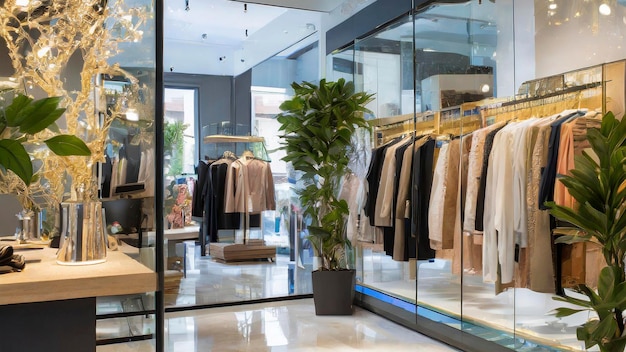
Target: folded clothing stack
[(10, 262)]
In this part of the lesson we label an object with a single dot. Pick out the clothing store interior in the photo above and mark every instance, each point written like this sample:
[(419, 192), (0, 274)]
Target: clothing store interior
[(479, 108)]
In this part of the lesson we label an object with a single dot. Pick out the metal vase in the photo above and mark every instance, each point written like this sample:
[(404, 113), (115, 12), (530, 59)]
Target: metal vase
[(82, 234)]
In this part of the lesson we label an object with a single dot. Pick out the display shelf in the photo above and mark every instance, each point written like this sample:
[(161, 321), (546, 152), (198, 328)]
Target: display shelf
[(45, 280), (234, 252)]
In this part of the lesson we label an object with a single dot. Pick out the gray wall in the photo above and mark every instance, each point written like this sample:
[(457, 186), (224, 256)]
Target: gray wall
[(220, 99), (277, 72), (242, 102)]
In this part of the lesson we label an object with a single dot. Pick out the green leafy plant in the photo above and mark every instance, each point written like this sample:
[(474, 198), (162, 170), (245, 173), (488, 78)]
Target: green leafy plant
[(318, 124), (173, 145), (598, 183), (25, 117)]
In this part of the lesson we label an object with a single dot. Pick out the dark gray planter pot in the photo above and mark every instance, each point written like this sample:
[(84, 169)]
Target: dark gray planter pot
[(333, 291)]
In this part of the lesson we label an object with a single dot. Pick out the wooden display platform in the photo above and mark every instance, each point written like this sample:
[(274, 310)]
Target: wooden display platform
[(233, 252)]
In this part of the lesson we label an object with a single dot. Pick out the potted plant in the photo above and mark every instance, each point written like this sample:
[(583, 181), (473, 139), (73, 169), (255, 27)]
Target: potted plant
[(598, 183), (318, 125)]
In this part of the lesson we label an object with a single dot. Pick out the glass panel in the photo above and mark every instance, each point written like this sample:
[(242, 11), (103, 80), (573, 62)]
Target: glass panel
[(249, 253), (380, 64), (584, 84), (104, 78)]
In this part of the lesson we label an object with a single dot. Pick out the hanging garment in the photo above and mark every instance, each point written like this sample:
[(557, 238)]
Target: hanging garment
[(201, 189), (520, 174), (352, 192), (404, 243), (390, 231), (215, 215), (474, 170), (437, 205), (386, 191), (373, 179), (541, 268), (480, 195), (249, 187), (548, 176), (423, 163), (496, 231)]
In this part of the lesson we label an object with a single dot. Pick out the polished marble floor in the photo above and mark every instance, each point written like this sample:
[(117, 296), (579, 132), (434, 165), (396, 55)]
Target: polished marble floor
[(208, 281), (281, 326)]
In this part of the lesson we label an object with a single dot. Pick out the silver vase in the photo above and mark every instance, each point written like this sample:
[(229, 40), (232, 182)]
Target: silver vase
[(82, 234)]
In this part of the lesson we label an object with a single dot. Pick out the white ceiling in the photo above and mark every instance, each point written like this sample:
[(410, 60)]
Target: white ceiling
[(311, 5), (224, 22), (226, 37)]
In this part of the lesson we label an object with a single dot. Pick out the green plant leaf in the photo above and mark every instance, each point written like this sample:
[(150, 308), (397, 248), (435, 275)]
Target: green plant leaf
[(13, 156), (607, 281), (565, 312), (39, 114), (40, 118), (13, 113), (65, 145)]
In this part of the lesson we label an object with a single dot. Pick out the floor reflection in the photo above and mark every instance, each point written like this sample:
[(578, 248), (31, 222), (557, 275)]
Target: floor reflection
[(211, 282), (282, 326)]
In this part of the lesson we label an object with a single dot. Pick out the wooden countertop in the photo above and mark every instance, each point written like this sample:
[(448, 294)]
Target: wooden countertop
[(49, 281)]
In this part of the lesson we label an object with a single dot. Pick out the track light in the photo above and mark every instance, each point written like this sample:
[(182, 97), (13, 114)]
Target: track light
[(245, 8), (187, 5)]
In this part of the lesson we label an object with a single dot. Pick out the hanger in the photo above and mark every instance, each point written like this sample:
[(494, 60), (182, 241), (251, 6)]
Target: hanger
[(247, 154), (229, 155)]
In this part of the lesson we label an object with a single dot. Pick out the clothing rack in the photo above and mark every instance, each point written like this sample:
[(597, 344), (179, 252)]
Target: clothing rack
[(588, 95), (249, 249), (255, 143), (388, 128)]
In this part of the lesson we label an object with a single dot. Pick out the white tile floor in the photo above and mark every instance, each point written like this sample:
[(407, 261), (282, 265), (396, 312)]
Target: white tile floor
[(282, 326)]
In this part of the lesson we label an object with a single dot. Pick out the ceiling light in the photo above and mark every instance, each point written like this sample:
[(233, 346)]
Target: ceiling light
[(204, 36), (245, 8), (604, 9), (22, 3), (187, 5), (552, 6), (485, 88)]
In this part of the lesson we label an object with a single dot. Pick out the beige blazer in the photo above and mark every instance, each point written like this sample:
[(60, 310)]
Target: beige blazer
[(249, 187)]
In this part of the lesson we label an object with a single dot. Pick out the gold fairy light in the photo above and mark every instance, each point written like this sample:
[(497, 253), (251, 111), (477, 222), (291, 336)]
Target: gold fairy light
[(42, 37)]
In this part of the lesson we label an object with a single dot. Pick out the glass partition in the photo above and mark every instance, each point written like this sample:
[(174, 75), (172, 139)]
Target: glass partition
[(229, 254), (467, 96), (95, 61)]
